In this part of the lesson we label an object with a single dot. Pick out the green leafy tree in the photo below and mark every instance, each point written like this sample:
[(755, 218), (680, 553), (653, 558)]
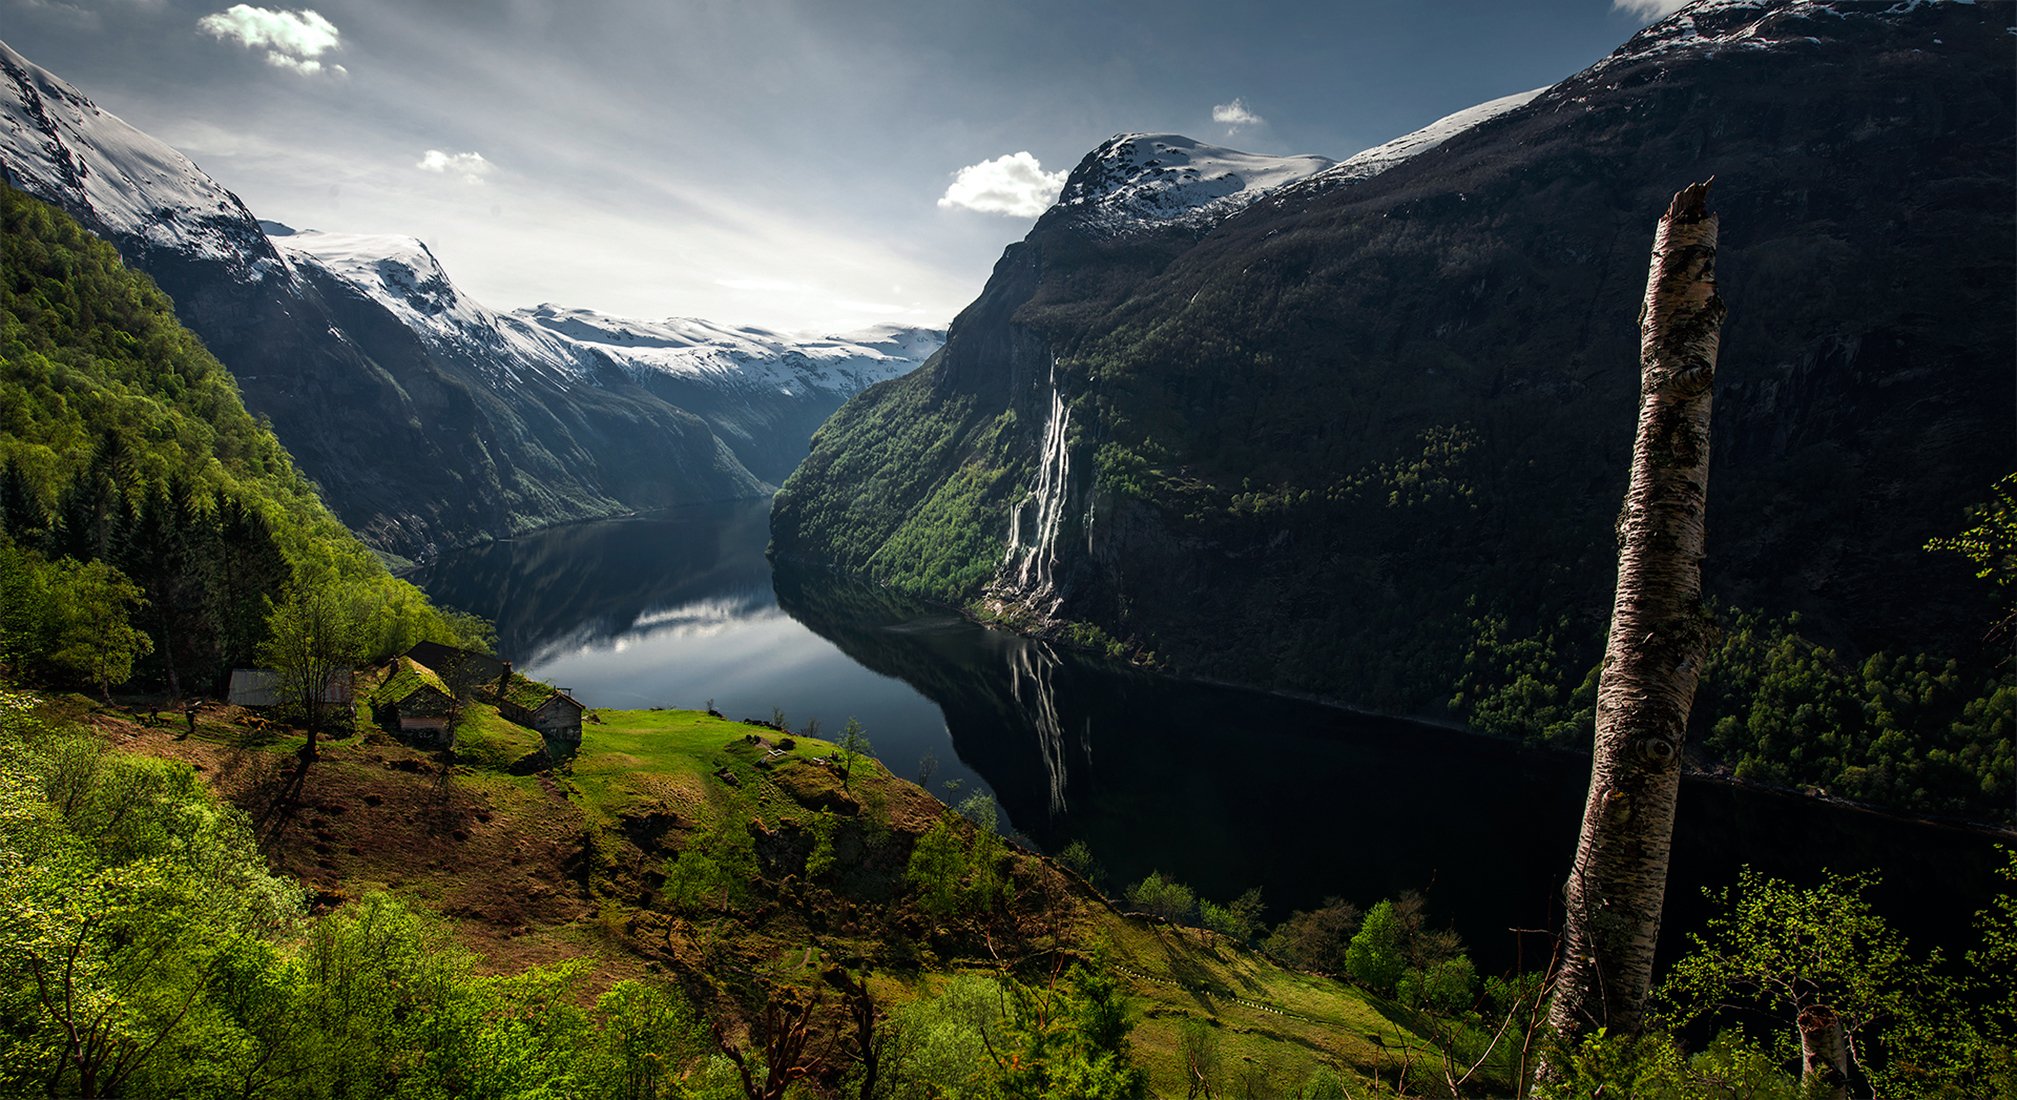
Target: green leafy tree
[(128, 899), (94, 633), (313, 639), (937, 868), (822, 858), (1991, 545), (1239, 919), (1162, 897), (1069, 1041), (1374, 956), (646, 1035), (852, 746), (1796, 954)]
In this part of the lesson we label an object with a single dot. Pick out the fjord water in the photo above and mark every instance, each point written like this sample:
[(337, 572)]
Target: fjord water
[(1218, 787)]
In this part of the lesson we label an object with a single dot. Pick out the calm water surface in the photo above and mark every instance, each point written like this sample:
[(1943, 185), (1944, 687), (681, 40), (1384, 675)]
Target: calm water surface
[(1221, 788)]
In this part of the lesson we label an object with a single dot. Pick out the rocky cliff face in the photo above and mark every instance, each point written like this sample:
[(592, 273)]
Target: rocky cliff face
[(1308, 441)]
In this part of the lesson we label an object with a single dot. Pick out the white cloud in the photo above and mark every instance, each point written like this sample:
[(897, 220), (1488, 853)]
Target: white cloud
[(470, 166), (1015, 184), (1235, 115), (293, 40), (1649, 9)]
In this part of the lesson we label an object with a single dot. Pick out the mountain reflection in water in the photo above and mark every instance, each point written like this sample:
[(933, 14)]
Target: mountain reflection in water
[(1221, 788)]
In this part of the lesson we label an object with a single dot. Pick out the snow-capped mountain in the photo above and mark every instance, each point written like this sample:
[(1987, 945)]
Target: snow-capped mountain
[(403, 276), (762, 392), (59, 146), (742, 357), (1141, 181), (428, 419)]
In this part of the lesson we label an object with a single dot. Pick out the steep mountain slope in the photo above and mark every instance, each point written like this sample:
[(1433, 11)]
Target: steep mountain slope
[(123, 443), (1330, 440), (426, 419)]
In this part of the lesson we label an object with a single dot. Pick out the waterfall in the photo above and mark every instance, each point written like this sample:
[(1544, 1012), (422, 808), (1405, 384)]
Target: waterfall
[(1032, 665), (1034, 562)]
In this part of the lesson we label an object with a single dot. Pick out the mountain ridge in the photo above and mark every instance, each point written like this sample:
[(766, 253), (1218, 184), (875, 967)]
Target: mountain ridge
[(427, 420)]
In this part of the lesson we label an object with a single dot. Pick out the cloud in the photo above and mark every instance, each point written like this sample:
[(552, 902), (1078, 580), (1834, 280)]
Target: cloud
[(294, 40), (1649, 9), (470, 166), (1014, 184), (1236, 115)]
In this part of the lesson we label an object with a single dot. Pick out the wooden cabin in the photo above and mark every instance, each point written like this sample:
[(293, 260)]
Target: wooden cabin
[(416, 701), (552, 711)]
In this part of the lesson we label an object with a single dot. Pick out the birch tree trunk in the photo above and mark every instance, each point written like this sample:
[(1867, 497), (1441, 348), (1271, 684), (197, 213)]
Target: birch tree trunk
[(1657, 643), (1824, 1055)]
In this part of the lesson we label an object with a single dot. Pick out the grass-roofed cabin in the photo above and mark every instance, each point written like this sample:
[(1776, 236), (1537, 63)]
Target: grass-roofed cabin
[(551, 711), (415, 701)]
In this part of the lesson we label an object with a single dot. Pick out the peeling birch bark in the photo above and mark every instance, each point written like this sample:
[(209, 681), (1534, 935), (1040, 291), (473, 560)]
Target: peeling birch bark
[(1824, 1055), (1653, 659)]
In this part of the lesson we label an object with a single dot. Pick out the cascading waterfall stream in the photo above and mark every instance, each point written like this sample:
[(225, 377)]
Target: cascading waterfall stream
[(1034, 563)]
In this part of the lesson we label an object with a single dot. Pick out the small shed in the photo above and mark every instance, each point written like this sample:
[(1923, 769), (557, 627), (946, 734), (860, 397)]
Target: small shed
[(415, 700), (552, 711)]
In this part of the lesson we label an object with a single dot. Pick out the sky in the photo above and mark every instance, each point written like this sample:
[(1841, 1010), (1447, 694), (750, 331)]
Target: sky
[(804, 165)]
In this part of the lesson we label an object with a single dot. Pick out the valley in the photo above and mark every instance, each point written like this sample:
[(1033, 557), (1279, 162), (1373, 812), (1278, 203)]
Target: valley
[(1215, 664)]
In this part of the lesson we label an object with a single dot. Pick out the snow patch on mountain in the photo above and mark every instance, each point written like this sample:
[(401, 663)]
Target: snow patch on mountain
[(1379, 158), (58, 146), (1707, 27), (743, 357), (1138, 181), (402, 275)]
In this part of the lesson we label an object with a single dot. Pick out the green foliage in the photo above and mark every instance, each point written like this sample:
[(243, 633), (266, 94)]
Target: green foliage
[(1654, 1067), (1160, 897), (821, 859), (930, 484), (1374, 956), (936, 869), (955, 868), (1239, 919), (123, 442), (1909, 731), (1078, 855), (1516, 686), (68, 620), (1780, 949), (1447, 986), (1991, 544), (941, 1044), (1068, 1041), (1912, 731), (713, 871), (127, 900), (312, 637)]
